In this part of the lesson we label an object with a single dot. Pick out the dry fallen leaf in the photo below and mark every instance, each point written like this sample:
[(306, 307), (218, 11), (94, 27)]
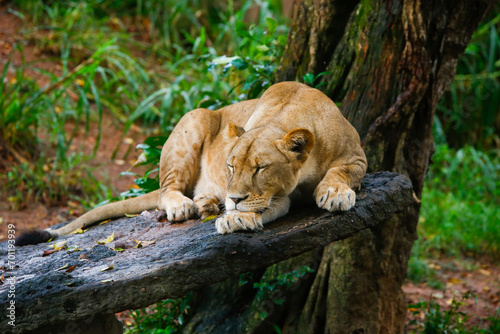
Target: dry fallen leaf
[(78, 231), (107, 240), (454, 280), (438, 295), (131, 215), (63, 267), (48, 252), (70, 269), (59, 245), (128, 140), (108, 268), (105, 221), (434, 266), (74, 248), (143, 243), (484, 272), (209, 218)]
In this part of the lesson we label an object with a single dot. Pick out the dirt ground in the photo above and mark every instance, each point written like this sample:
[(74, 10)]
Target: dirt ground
[(483, 280)]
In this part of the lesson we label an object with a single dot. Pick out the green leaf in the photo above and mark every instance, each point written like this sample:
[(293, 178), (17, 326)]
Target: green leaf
[(282, 39), (309, 78), (263, 48), (208, 219), (271, 24), (239, 64), (279, 301), (147, 184), (156, 141), (223, 60)]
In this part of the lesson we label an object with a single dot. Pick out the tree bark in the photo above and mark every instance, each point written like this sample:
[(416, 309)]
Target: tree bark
[(389, 62)]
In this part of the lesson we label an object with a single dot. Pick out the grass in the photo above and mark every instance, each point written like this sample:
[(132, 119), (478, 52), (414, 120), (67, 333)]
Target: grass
[(459, 215), (460, 202), (45, 169)]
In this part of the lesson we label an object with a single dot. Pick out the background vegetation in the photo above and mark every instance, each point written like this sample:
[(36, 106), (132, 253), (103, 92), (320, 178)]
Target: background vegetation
[(149, 62)]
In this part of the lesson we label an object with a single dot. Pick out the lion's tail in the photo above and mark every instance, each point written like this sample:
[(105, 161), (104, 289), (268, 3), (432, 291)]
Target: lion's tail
[(112, 210)]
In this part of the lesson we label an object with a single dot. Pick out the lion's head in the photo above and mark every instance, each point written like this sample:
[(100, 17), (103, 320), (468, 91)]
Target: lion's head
[(264, 165)]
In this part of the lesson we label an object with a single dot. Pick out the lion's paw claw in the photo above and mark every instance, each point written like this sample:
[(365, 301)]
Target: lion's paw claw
[(336, 198), (177, 206), (235, 221)]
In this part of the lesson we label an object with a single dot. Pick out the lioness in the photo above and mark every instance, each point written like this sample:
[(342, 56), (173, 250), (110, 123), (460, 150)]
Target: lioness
[(253, 156)]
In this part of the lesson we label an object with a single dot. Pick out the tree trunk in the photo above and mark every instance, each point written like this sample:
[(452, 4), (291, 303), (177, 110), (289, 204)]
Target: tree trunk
[(389, 63)]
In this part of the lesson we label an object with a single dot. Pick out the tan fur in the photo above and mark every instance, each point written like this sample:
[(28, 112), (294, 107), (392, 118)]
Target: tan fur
[(254, 156)]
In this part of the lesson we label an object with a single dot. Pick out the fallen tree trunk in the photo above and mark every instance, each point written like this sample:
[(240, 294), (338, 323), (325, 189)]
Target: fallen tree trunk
[(183, 257)]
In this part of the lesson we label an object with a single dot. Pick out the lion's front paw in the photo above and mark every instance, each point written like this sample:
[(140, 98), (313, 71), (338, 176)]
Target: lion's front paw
[(207, 205), (177, 206), (337, 197), (236, 220)]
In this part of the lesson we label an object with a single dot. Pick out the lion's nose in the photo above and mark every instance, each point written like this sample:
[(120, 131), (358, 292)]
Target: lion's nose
[(236, 200)]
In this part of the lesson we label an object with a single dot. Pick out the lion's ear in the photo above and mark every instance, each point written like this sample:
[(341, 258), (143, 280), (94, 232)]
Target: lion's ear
[(298, 142), (233, 131)]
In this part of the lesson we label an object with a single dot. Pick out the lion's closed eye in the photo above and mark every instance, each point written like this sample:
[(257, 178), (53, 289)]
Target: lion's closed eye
[(260, 168)]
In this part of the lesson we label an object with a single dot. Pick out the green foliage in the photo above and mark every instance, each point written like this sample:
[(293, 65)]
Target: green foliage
[(165, 317), (460, 203), (79, 23), (419, 270), (91, 36), (269, 287), (213, 81), (451, 321), (469, 174), (28, 113), (468, 113), (310, 79), (459, 214), (150, 156)]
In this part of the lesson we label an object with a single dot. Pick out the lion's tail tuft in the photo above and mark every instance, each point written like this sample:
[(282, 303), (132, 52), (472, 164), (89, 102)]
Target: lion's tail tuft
[(34, 237)]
